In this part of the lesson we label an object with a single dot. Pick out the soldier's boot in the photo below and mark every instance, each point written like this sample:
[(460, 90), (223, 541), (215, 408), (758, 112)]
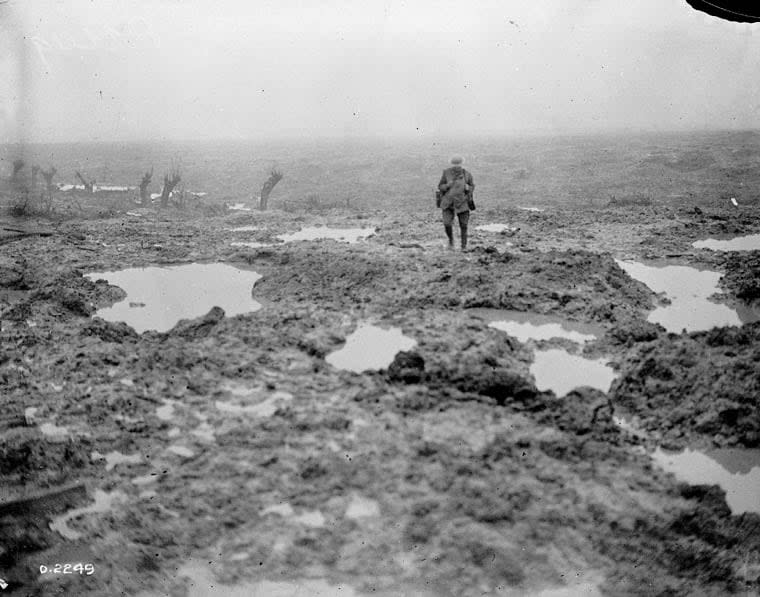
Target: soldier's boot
[(463, 230), (450, 234)]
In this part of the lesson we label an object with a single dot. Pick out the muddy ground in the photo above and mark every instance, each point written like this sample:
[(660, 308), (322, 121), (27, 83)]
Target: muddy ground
[(449, 473)]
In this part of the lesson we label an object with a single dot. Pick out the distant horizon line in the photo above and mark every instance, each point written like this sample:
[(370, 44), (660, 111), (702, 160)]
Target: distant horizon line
[(537, 133)]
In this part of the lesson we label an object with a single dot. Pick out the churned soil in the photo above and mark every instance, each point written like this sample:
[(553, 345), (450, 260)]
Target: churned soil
[(448, 473)]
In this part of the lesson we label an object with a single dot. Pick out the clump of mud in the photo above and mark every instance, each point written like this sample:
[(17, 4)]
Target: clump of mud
[(703, 384), (742, 276)]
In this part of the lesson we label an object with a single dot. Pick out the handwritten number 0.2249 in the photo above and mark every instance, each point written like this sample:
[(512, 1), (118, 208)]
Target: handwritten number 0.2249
[(69, 569)]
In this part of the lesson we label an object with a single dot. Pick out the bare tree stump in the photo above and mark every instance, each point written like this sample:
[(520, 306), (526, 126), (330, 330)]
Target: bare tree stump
[(274, 177), (49, 187), (88, 186), (170, 181), (17, 165), (144, 196)]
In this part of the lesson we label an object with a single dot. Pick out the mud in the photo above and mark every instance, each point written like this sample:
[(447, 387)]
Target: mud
[(448, 471)]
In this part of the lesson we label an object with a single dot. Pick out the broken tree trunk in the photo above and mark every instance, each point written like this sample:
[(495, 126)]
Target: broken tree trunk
[(147, 177), (169, 184), (88, 186), (274, 177), (17, 165), (48, 176)]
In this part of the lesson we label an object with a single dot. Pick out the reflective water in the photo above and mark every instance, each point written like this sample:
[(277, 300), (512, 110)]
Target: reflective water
[(688, 290), (496, 228), (250, 245), (204, 432), (115, 458), (284, 509), (178, 292), (181, 451), (103, 502), (166, 412), (736, 471), (112, 187), (370, 348), (559, 371), (309, 518), (265, 407), (238, 207), (54, 432), (750, 242), (145, 479), (361, 507), (348, 235), (531, 326), (534, 209), (244, 229)]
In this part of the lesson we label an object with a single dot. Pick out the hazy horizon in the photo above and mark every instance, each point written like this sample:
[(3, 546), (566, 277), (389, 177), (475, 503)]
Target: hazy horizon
[(135, 72)]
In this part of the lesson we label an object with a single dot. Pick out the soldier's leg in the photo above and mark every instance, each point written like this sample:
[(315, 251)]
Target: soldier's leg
[(448, 221), (464, 219)]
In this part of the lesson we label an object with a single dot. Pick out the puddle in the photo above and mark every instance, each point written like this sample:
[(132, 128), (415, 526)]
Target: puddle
[(531, 326), (361, 507), (239, 207), (370, 348), (688, 290), (561, 372), (204, 432), (250, 245), (496, 228), (115, 458), (182, 451), (750, 242), (348, 235), (264, 408), (166, 412), (244, 229), (103, 503), (202, 582), (54, 432), (178, 292), (310, 518), (285, 510), (112, 187), (533, 209), (734, 470), (145, 479)]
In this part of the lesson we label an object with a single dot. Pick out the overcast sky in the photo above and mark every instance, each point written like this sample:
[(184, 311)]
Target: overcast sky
[(154, 69)]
